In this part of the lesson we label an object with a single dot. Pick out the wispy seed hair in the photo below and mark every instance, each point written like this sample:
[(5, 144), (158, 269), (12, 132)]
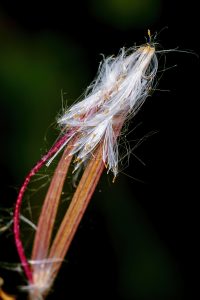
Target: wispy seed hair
[(121, 86)]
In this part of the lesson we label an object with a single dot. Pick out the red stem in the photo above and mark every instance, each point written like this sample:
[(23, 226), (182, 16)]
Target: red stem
[(16, 217)]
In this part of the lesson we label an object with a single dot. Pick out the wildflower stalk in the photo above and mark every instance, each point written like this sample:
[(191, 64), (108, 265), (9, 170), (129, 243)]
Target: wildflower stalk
[(76, 210), (49, 209), (16, 217), (47, 262), (46, 267), (40, 264)]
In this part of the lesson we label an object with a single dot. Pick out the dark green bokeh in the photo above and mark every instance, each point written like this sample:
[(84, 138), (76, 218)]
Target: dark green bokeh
[(34, 71), (126, 14), (131, 251)]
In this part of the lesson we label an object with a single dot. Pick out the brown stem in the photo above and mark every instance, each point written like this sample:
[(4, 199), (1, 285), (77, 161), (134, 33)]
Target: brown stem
[(76, 210), (49, 208)]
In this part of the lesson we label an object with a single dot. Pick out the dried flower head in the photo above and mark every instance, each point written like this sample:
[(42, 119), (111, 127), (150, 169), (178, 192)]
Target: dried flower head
[(122, 85)]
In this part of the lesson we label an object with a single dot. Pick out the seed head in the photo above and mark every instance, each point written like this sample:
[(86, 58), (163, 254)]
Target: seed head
[(121, 86)]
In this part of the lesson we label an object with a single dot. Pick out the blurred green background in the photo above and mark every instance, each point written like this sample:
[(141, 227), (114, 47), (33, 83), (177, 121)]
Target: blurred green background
[(133, 240)]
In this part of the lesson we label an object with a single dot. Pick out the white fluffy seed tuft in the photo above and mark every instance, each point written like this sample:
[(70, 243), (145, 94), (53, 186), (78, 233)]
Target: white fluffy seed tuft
[(121, 86)]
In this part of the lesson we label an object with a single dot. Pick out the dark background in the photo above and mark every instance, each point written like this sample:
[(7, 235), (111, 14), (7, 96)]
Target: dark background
[(138, 237)]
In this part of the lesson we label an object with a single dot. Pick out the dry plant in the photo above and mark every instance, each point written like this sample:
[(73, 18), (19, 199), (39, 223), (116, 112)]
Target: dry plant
[(89, 136)]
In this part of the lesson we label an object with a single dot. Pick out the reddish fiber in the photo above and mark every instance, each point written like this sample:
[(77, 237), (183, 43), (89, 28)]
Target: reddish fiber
[(16, 218)]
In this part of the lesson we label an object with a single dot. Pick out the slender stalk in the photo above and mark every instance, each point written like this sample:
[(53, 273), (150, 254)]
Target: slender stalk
[(16, 217), (49, 208), (76, 210)]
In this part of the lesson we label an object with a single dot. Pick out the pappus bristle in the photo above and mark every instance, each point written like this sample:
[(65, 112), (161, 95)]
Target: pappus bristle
[(121, 86)]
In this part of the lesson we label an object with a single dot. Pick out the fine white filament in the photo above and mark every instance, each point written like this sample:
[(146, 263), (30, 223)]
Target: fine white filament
[(121, 86)]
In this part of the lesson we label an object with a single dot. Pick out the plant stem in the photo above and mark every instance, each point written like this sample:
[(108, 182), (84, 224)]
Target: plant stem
[(49, 208), (16, 217), (76, 210)]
